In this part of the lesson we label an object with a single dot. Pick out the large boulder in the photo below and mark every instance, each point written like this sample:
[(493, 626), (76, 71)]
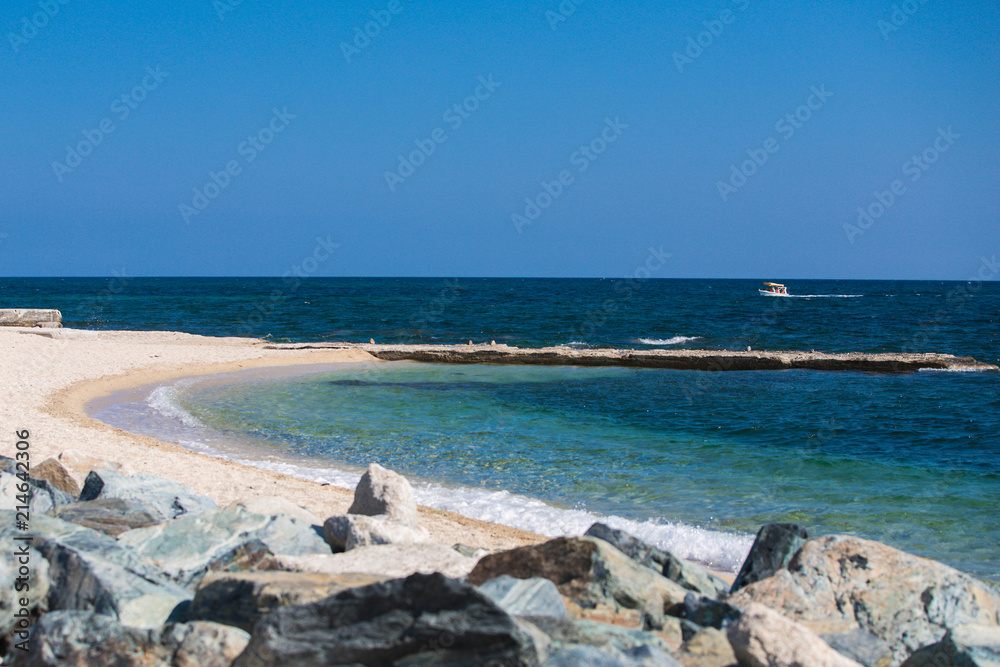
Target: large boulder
[(169, 499), (775, 545), (590, 572), (708, 647), (187, 547), (23, 592), (349, 531), (964, 646), (111, 516), (242, 599), (860, 646), (393, 560), (420, 620), (687, 574), (907, 601), (383, 491), (85, 639), (525, 597), (85, 581), (764, 638), (581, 655)]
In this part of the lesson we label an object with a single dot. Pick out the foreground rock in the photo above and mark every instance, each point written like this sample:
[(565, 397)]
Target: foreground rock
[(907, 601), (764, 638), (86, 639), (590, 572), (383, 491), (617, 645), (242, 599), (775, 545), (392, 560), (164, 498), (423, 619), (687, 574), (29, 317), (964, 646), (187, 547)]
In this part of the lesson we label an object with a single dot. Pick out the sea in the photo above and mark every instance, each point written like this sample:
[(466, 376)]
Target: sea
[(694, 462)]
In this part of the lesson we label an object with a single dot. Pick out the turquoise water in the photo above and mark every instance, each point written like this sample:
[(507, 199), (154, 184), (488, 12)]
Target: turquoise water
[(693, 461)]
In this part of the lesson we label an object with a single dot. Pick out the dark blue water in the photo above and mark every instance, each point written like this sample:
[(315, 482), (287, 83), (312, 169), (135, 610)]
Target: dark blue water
[(910, 459)]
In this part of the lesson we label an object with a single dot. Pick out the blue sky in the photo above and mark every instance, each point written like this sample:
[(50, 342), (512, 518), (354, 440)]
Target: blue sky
[(741, 136)]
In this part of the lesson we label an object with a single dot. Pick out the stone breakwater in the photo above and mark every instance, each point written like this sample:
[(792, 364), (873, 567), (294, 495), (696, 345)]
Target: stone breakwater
[(695, 360), (111, 568)]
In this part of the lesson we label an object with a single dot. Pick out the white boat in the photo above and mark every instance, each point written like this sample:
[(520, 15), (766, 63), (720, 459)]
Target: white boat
[(774, 289)]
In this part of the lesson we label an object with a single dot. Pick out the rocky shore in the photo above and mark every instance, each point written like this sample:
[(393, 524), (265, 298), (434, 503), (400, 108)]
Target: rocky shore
[(107, 568), (698, 360)]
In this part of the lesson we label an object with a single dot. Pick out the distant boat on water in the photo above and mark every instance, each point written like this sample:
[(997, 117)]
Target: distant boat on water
[(774, 289)]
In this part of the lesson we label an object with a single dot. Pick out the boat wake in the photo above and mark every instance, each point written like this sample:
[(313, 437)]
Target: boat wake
[(816, 296)]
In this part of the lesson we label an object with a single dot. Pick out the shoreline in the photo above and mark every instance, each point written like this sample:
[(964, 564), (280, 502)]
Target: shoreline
[(52, 376)]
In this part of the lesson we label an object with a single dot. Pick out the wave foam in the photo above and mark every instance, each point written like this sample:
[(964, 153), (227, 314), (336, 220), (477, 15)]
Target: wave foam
[(717, 549), (164, 401), (668, 341)]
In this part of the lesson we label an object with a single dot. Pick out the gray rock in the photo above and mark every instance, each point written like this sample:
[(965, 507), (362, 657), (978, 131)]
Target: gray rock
[(775, 545), (168, 499), (43, 496), (187, 547), (709, 613), (688, 575), (242, 599), (393, 560), (111, 516), (906, 601), (85, 581), (346, 532), (963, 646), (860, 646), (588, 656), (85, 639), (383, 491), (589, 572), (525, 597), (420, 620), (565, 632), (762, 637)]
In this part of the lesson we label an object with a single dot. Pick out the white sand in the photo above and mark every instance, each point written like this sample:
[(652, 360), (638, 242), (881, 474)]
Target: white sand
[(47, 381)]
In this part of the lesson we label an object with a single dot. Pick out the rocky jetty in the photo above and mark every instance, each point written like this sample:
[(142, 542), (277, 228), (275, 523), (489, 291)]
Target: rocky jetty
[(135, 570), (693, 360), (30, 317)]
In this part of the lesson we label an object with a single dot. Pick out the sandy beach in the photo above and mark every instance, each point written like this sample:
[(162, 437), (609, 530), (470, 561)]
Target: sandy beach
[(50, 375)]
